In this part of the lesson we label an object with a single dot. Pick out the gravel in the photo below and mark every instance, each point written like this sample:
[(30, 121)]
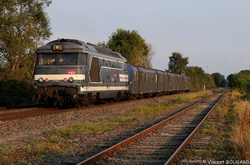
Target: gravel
[(19, 132)]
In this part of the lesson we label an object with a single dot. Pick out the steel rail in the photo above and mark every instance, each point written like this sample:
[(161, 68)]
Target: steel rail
[(27, 114), (104, 154), (14, 107), (173, 158), (34, 113), (23, 113)]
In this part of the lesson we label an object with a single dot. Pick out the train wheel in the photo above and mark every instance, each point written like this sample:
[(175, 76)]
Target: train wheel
[(134, 97), (118, 98), (131, 97), (86, 102), (35, 99), (55, 103)]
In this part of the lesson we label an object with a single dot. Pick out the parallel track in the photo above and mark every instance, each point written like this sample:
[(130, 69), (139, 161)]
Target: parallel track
[(14, 107), (31, 110), (161, 143), (26, 113)]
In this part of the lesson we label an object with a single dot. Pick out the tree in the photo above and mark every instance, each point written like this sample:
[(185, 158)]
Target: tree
[(145, 60), (230, 79), (219, 79), (177, 63), (24, 25), (199, 78), (242, 82), (132, 46)]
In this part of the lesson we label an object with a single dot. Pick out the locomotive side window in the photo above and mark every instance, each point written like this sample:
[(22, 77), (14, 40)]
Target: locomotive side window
[(46, 59), (119, 65), (68, 59), (111, 64)]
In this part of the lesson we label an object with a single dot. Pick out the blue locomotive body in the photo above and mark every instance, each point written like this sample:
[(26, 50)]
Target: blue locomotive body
[(71, 71)]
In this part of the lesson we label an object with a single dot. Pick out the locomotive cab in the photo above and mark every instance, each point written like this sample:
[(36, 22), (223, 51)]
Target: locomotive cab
[(59, 72)]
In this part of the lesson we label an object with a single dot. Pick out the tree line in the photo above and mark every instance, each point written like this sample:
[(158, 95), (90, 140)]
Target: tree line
[(25, 26), (199, 79)]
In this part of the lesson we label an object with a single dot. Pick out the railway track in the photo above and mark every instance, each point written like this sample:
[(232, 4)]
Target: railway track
[(25, 113), (32, 110), (161, 143)]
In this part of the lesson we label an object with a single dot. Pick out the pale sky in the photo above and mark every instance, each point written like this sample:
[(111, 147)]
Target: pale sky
[(214, 34)]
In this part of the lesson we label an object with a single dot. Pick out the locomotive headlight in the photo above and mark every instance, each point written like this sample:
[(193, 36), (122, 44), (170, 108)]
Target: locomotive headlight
[(40, 80), (71, 79), (57, 46)]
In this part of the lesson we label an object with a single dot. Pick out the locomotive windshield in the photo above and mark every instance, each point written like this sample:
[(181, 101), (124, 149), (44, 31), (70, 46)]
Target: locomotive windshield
[(68, 59), (60, 59), (46, 59)]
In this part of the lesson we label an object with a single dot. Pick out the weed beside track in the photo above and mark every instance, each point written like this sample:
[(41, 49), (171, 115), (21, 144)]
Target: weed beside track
[(224, 136)]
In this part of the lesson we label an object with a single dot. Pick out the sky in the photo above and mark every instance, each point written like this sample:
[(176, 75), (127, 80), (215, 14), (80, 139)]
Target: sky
[(213, 34)]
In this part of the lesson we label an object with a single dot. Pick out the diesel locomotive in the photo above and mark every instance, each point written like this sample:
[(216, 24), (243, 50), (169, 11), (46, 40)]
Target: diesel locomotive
[(72, 72)]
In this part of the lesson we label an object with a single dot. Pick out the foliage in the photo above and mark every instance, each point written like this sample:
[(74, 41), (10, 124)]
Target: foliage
[(132, 46), (219, 79), (24, 25), (199, 78), (15, 92), (177, 63), (241, 81), (230, 79)]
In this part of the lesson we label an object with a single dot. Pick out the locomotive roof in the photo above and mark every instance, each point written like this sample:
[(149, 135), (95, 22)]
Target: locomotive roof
[(79, 46)]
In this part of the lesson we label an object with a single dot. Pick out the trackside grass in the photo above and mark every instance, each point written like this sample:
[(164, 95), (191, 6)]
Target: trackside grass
[(235, 114), (86, 127), (228, 129), (52, 143), (241, 126), (160, 108), (149, 110)]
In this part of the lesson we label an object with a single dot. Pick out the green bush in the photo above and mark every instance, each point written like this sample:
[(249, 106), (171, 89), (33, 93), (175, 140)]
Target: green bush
[(16, 87), (15, 92), (242, 83)]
